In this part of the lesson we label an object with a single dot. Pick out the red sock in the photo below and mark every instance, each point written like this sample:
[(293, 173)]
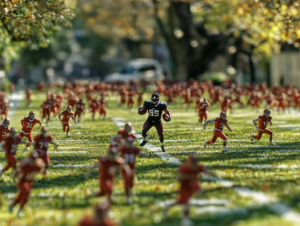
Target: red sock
[(271, 137), (68, 130)]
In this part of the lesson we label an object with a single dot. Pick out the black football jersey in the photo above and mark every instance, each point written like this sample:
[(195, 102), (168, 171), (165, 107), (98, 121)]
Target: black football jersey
[(154, 112)]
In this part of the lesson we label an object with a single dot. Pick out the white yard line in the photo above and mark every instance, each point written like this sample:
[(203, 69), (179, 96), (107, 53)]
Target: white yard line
[(67, 152), (67, 166), (282, 209), (198, 202)]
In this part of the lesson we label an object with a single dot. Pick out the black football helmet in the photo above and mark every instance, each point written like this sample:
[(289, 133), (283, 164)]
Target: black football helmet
[(155, 98)]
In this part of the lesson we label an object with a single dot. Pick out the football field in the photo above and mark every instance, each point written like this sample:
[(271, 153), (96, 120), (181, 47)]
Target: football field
[(256, 184)]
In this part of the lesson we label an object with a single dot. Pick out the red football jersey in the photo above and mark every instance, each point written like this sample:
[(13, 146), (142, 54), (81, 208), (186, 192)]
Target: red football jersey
[(28, 124), (94, 104), (201, 104), (125, 135), (191, 173), (80, 106), (47, 104), (41, 143), (66, 115), (129, 155), (3, 132), (87, 221), (104, 173), (11, 144), (263, 121), (28, 171), (219, 123)]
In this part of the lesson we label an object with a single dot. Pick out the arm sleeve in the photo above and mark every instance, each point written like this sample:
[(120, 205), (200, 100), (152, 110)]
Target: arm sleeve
[(211, 121)]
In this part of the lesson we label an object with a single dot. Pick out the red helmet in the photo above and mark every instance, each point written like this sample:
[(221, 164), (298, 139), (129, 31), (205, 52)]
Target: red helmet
[(223, 115), (13, 130), (193, 158), (6, 122), (142, 111), (69, 108), (166, 117), (31, 114), (43, 129), (267, 112), (128, 127)]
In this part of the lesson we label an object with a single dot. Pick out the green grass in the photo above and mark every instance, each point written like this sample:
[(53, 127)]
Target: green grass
[(155, 178)]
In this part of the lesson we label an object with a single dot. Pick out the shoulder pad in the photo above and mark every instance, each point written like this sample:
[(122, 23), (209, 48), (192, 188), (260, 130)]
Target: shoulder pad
[(147, 103), (164, 104)]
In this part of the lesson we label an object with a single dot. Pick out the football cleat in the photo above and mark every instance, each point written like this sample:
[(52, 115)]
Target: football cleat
[(166, 117), (25, 149), (162, 148), (252, 137), (204, 144), (155, 98), (6, 123), (143, 143), (67, 135), (128, 200), (186, 222), (271, 144), (142, 111), (20, 213), (31, 114), (225, 150)]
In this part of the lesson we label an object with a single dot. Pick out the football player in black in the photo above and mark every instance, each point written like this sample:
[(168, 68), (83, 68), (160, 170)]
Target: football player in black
[(155, 109)]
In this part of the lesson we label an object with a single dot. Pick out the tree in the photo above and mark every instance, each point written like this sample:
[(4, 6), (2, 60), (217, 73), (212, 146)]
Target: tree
[(28, 22)]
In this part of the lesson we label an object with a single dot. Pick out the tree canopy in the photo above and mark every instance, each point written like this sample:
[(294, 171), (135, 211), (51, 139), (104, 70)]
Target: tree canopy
[(30, 22)]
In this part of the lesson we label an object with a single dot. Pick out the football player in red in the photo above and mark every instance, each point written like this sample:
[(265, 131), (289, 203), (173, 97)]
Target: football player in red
[(46, 109), (40, 145), (123, 134), (28, 96), (25, 173), (202, 110), (4, 129), (129, 152), (140, 98), (155, 109), (219, 124), (263, 121), (130, 101), (226, 103), (67, 114), (4, 109), (53, 108), (107, 167), (79, 109), (94, 107), (9, 147), (28, 124), (188, 174), (100, 217), (102, 110)]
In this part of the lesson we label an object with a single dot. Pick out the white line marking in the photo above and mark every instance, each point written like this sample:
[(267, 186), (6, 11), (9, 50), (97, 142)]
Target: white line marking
[(198, 202), (68, 166), (67, 152), (221, 211)]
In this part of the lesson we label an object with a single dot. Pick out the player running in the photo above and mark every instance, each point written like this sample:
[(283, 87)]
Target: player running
[(9, 147), (188, 178), (263, 121), (25, 173), (129, 152), (107, 167), (28, 124), (67, 114), (122, 135), (46, 106), (202, 110), (100, 217), (4, 129), (40, 144), (79, 109), (155, 109), (219, 123)]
